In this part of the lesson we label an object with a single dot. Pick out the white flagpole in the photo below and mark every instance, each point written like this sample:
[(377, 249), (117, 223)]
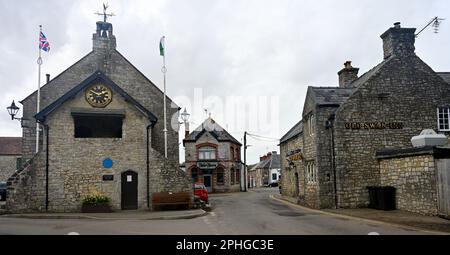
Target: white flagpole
[(39, 62), (164, 70)]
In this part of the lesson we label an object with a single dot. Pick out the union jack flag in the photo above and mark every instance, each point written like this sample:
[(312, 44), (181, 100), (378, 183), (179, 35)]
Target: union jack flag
[(43, 43)]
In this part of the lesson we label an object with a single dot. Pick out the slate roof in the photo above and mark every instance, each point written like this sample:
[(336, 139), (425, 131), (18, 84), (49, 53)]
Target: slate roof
[(331, 96), (366, 76), (211, 126), (95, 77), (273, 162), (10, 145), (293, 132), (445, 76)]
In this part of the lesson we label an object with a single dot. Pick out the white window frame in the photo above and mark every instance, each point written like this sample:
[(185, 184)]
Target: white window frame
[(311, 124), (311, 172), (445, 117), (207, 153)]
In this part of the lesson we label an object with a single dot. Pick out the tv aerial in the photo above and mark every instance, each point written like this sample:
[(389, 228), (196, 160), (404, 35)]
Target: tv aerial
[(435, 23)]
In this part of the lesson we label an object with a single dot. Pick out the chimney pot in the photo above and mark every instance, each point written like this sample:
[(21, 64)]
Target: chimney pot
[(397, 25)]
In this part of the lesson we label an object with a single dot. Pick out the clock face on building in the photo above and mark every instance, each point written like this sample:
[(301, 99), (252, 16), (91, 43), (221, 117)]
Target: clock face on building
[(98, 95)]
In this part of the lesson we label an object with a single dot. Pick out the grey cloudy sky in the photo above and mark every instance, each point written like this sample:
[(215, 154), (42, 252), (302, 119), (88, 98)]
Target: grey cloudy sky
[(241, 49)]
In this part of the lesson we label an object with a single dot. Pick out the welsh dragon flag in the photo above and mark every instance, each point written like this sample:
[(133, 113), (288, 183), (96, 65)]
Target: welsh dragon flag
[(162, 46)]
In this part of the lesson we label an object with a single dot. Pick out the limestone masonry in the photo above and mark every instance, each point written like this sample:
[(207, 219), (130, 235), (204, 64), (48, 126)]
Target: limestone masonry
[(86, 147)]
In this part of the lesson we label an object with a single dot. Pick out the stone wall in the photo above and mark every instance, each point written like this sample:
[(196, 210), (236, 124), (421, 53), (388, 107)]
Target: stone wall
[(404, 90), (75, 164), (26, 187), (324, 157), (8, 165), (126, 76), (288, 173), (414, 177)]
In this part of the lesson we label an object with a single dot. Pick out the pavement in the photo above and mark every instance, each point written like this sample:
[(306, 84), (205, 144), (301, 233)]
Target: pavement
[(243, 213), (119, 215), (413, 221)]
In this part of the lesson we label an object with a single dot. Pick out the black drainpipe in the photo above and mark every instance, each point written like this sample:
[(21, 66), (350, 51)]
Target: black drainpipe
[(47, 128), (148, 166), (330, 125)]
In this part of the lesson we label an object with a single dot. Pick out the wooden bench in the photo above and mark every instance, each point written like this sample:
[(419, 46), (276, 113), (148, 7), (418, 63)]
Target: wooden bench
[(167, 200)]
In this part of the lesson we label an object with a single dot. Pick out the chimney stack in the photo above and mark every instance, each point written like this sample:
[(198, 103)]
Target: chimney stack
[(398, 41), (347, 75), (48, 77)]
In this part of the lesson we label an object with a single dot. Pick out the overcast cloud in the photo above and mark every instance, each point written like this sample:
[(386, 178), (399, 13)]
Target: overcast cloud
[(265, 49)]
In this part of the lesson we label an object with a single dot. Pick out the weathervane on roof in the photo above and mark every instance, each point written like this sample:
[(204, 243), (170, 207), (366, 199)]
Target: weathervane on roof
[(435, 23), (104, 14)]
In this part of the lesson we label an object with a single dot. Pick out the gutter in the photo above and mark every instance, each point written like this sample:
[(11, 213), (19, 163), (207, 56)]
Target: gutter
[(148, 165), (47, 129)]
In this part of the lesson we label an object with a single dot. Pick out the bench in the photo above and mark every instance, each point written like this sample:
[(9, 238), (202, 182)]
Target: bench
[(169, 200)]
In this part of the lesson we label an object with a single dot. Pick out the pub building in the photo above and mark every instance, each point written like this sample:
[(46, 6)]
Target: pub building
[(101, 132), (213, 157), (332, 155)]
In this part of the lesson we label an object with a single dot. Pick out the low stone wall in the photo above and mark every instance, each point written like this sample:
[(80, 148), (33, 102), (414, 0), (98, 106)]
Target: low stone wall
[(414, 177), (26, 189), (8, 165)]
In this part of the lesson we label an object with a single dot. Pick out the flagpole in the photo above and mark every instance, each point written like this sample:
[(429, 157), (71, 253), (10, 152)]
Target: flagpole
[(39, 62), (164, 70)]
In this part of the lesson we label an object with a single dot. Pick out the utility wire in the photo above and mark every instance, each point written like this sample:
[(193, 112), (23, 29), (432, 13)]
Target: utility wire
[(260, 137)]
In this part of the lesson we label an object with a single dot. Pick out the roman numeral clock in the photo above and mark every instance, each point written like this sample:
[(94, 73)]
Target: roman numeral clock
[(98, 95)]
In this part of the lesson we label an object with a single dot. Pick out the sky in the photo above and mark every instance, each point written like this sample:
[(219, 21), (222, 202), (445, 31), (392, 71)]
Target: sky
[(248, 63)]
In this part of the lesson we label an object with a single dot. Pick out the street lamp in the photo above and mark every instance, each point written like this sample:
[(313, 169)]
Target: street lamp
[(185, 117), (12, 110)]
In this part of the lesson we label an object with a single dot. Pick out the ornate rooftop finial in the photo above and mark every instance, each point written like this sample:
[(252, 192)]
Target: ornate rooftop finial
[(105, 15)]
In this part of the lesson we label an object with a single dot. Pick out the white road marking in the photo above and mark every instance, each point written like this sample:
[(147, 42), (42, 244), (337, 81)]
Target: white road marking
[(373, 234), (73, 234)]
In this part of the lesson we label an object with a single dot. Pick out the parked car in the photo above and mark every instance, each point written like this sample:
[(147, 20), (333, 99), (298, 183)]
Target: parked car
[(2, 191), (200, 191)]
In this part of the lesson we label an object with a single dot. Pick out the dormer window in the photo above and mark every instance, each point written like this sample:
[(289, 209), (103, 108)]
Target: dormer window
[(206, 153)]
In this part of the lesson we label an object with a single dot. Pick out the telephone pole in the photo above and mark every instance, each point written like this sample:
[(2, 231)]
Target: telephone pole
[(245, 161)]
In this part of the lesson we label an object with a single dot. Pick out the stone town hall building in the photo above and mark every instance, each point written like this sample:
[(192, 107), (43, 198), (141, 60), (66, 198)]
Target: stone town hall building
[(330, 156), (102, 131)]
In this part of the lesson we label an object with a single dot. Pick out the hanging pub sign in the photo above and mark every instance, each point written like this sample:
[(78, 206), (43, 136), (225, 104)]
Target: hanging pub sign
[(295, 155), (374, 125)]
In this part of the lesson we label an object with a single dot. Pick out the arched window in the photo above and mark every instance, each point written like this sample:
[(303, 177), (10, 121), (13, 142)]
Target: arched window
[(219, 175), (206, 153)]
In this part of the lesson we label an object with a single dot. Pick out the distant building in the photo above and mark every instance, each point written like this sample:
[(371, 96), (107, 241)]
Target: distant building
[(266, 172), (213, 157), (10, 156), (330, 158)]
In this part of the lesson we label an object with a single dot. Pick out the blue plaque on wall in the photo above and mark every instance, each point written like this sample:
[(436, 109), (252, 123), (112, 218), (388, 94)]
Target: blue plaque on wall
[(107, 163)]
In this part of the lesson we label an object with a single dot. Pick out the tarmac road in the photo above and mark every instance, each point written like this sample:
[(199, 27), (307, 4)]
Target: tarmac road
[(251, 213)]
